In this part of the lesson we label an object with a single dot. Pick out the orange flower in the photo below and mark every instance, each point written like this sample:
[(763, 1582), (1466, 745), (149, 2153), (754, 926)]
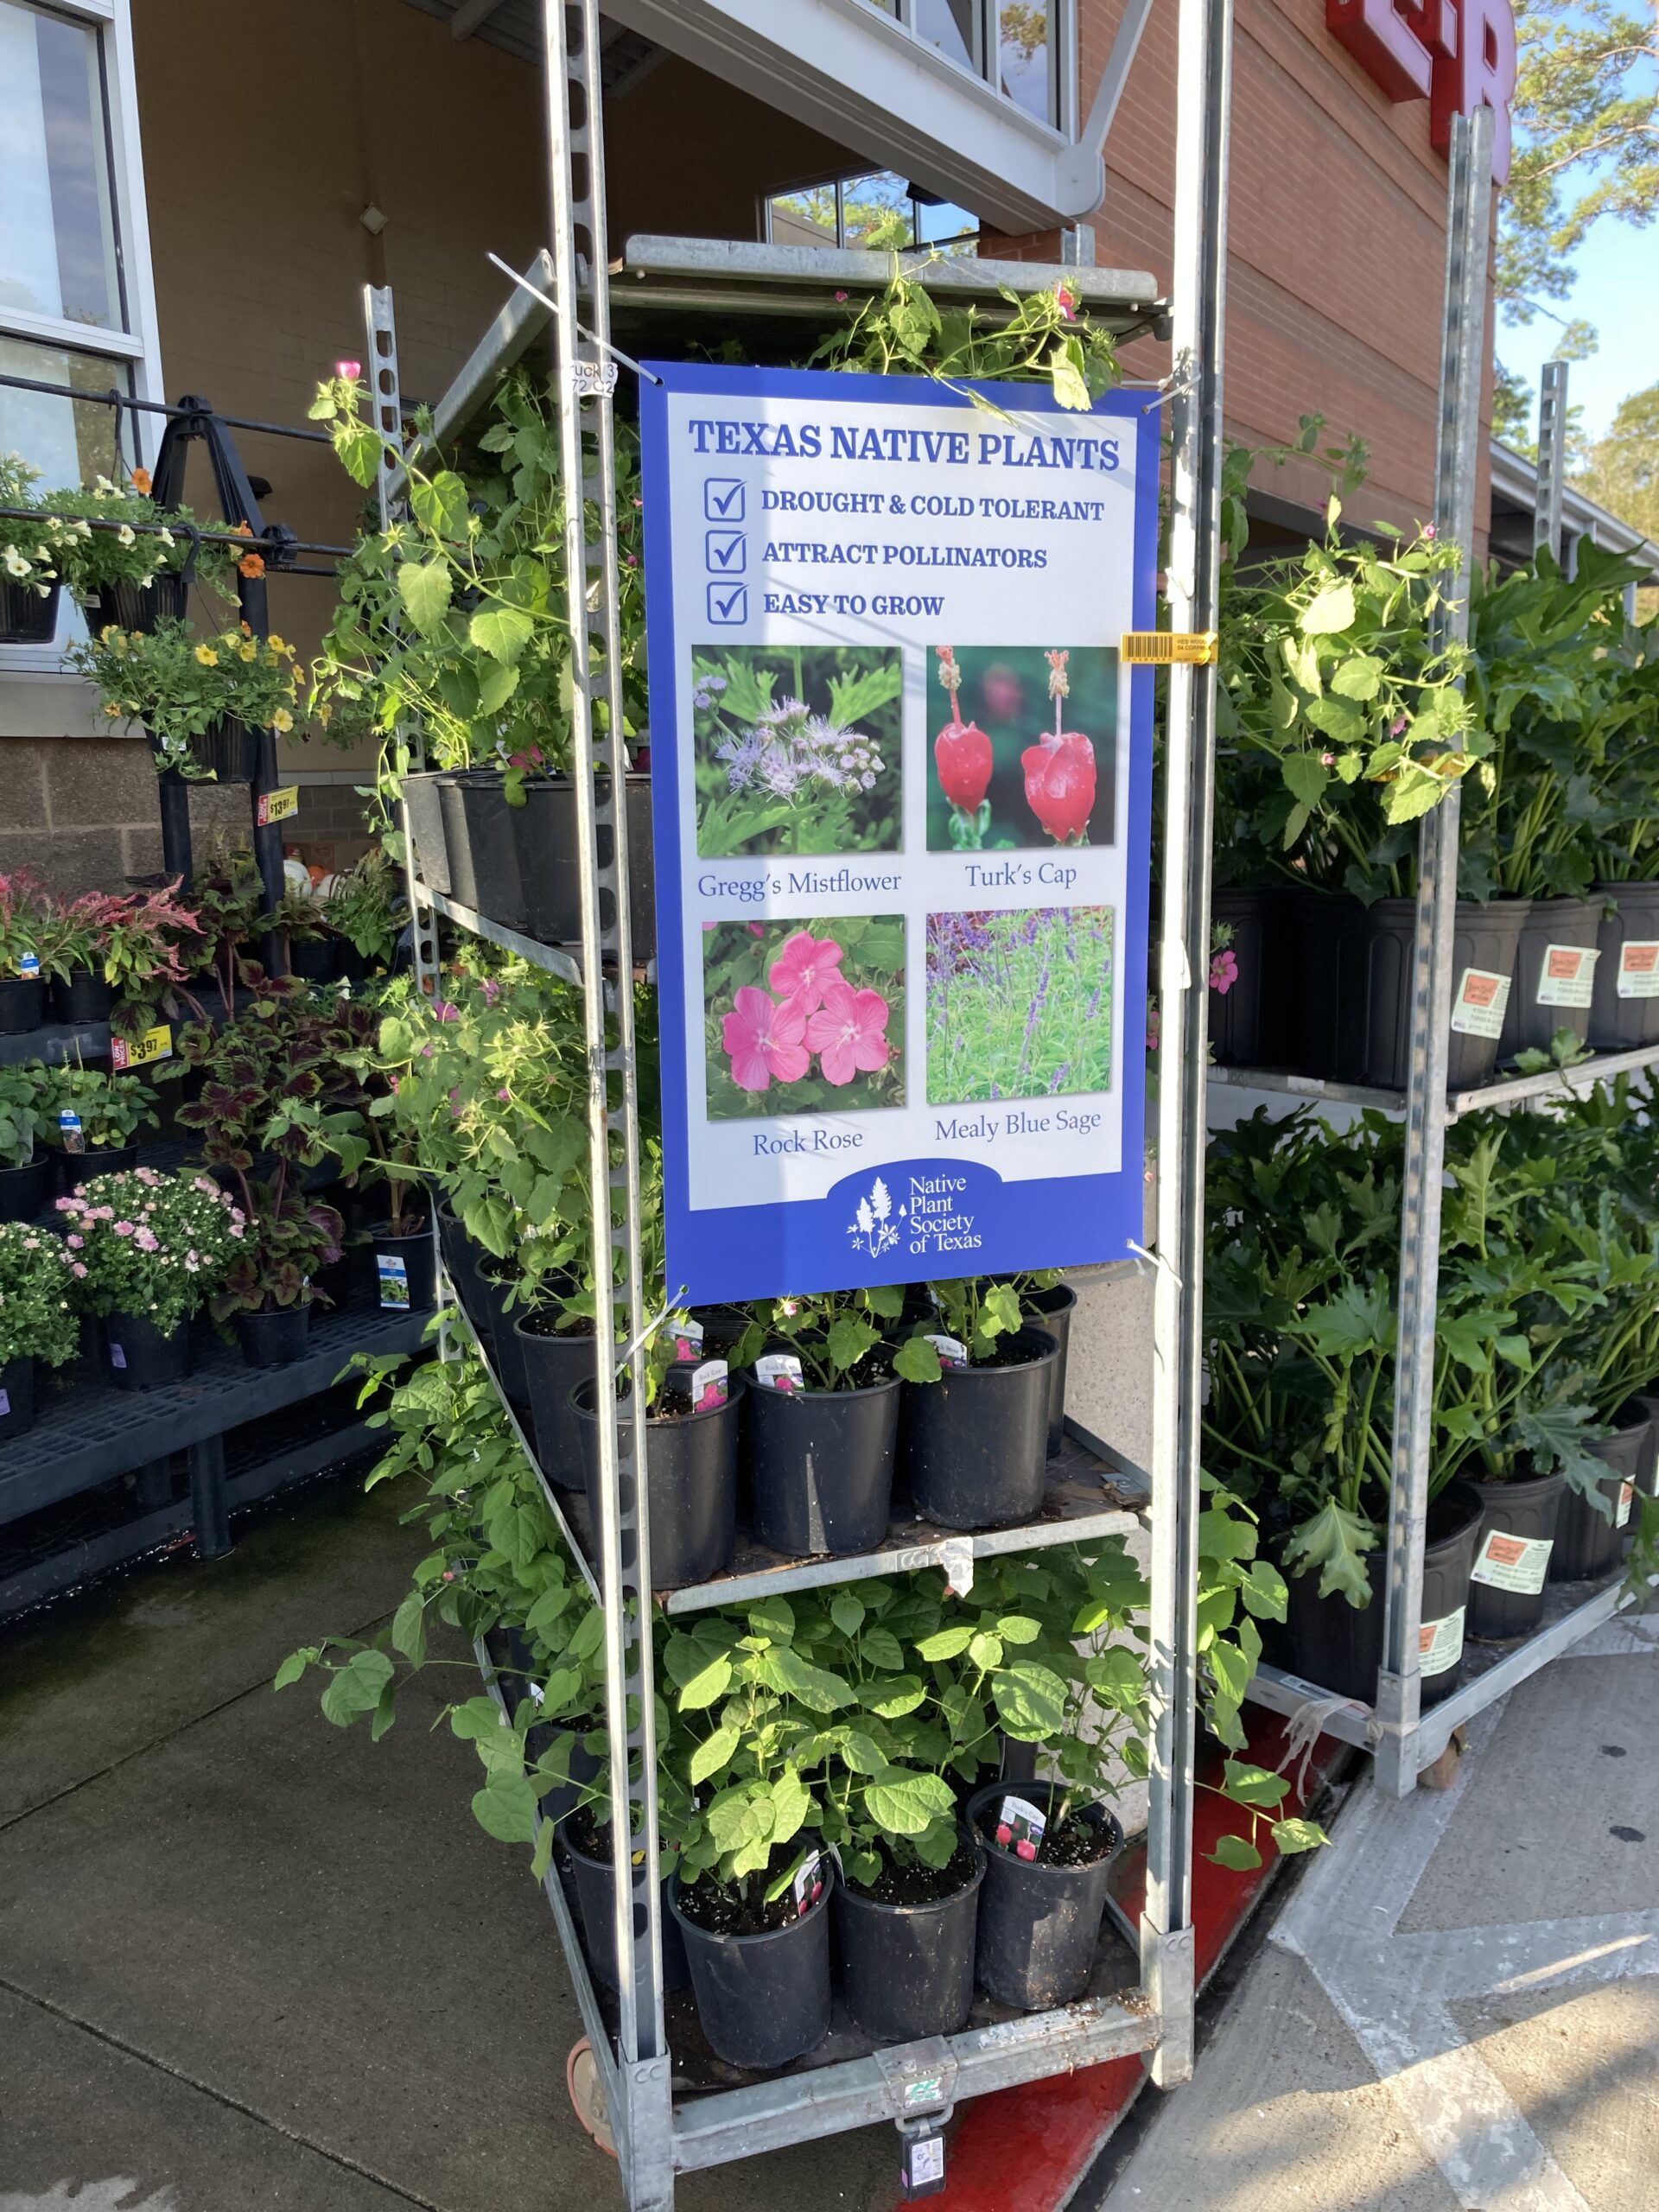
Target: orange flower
[(246, 629), (241, 530), (141, 480), (250, 565)]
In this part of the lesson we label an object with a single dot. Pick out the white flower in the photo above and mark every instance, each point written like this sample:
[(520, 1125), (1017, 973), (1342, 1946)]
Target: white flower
[(16, 565), (126, 535)]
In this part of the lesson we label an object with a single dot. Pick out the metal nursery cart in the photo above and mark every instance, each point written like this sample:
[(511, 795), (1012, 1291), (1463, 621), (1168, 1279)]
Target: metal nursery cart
[(660, 2125), (1405, 1742)]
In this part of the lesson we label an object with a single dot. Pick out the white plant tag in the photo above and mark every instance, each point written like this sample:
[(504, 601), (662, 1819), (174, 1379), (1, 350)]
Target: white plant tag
[(1439, 1644), (69, 1129), (1638, 971), (688, 1340), (956, 1558), (778, 1370), (1566, 976), (394, 1279), (29, 965), (118, 1356), (1516, 1563), (5, 1404), (1626, 1499), (711, 1384), (1478, 1007), (952, 1354), (808, 1885), (924, 2166), (1020, 1827)]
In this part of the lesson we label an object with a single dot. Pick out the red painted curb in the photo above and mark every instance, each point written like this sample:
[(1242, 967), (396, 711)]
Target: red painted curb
[(1026, 2150)]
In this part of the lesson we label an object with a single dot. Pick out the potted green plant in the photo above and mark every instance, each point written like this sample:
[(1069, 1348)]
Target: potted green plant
[(693, 1429), (25, 918), (973, 1422), (29, 570), (39, 1326), (23, 1162), (1624, 1013), (312, 945), (202, 701), (823, 1419), (364, 907), (71, 958), (267, 1290), (139, 953), (405, 1254), (148, 1250), (128, 561), (92, 1118)]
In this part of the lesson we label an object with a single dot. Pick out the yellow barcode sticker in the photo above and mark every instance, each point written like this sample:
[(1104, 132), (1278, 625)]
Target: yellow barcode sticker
[(276, 806), (1159, 648), (154, 1045)]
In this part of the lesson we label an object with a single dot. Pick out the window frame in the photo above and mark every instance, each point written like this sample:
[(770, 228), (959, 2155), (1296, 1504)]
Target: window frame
[(1063, 58), (134, 354), (837, 183)]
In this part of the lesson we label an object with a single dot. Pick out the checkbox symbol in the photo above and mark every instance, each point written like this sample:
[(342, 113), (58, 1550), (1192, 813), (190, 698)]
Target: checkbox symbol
[(722, 499), (728, 604), (727, 552)]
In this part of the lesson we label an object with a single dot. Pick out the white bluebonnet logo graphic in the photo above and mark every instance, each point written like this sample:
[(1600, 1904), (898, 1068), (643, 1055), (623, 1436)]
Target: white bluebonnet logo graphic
[(871, 1228)]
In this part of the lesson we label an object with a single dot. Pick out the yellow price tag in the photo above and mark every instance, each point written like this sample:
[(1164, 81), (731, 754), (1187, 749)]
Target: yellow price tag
[(276, 806), (154, 1045), (1159, 648)]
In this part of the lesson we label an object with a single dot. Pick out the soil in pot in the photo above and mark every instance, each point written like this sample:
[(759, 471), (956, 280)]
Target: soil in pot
[(16, 1398), (691, 1470), (905, 1946), (589, 1842), (1506, 1584), (81, 995), (23, 1189), (1624, 1008), (406, 1268), (1556, 963), (1586, 1541), (1039, 1917), (821, 1463), (482, 845), (975, 1444), (494, 1278), (75, 1168), (762, 1993), (141, 1358), (276, 1340), (138, 606), (1055, 1307), (1484, 939), (1250, 1020), (550, 863), (556, 1361), (23, 1004), (26, 618)]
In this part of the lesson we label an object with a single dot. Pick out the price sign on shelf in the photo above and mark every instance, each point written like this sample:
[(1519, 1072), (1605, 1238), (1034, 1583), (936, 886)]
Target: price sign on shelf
[(154, 1045), (277, 805)]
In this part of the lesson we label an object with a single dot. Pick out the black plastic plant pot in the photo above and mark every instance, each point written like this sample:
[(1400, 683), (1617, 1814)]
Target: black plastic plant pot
[(1454, 1522), (229, 752), (1647, 1401), (1483, 942), (907, 1970), (1553, 978), (564, 1797), (75, 1168), (595, 1880), (424, 808), (1335, 1645), (820, 1462), (975, 1444), (138, 606), (1250, 1020), (691, 1470), (460, 1256), (23, 1004), (554, 1366), (275, 1339), (26, 617), (494, 1278), (1624, 1012), (1056, 1306), (481, 839), (81, 995), (1038, 1924), (1586, 1541), (23, 1189), (406, 1269), (1332, 945), (16, 1398), (762, 1999), (550, 865), (1506, 1584), (314, 959), (141, 1358)]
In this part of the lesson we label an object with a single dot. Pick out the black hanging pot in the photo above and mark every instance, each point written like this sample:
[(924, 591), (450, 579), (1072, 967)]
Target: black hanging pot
[(424, 810), (406, 1269), (143, 607), (141, 1358), (82, 996), (16, 1398), (762, 1999), (1250, 1018), (907, 1970), (275, 1339), (1055, 1307), (555, 1362), (1039, 1923), (1588, 1541), (481, 842), (1483, 962), (1624, 1011), (229, 752), (314, 959), (974, 1445), (691, 1470), (23, 1004), (550, 862), (1506, 1584), (1555, 962), (595, 1880), (26, 617), (75, 1168), (23, 1189), (822, 1464)]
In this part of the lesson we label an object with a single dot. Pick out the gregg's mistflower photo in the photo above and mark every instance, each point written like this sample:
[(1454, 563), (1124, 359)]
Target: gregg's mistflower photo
[(796, 749), (804, 1017), (1019, 1005)]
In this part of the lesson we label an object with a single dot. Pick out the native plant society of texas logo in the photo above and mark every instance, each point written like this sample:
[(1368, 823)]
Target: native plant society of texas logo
[(872, 1227), (929, 1218)]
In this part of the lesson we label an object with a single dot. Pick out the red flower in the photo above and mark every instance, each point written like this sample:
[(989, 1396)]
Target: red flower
[(963, 753), (1060, 785)]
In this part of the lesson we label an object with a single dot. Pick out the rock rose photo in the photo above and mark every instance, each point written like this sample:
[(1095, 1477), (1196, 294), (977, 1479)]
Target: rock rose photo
[(1022, 746), (804, 1017)]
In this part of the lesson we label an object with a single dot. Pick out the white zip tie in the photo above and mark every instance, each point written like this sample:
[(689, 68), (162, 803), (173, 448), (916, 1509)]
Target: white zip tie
[(1153, 1259), (604, 346)]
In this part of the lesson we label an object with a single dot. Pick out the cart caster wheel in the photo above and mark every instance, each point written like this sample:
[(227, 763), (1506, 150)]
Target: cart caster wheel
[(1442, 1772), (587, 2095)]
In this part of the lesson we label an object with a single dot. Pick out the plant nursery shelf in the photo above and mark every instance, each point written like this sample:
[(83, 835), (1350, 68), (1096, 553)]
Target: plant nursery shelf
[(58, 1042), (1511, 1090), (557, 959)]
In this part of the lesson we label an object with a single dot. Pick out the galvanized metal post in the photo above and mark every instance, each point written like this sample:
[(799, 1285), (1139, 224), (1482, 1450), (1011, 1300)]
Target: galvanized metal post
[(1203, 102), (1463, 365), (1552, 458), (585, 377)]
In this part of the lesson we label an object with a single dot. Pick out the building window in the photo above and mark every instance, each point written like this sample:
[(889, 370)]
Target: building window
[(876, 209), (76, 304), (1015, 45)]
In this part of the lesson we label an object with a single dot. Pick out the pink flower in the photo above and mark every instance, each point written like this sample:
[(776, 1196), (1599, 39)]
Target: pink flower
[(763, 1039), (77, 1269), (1152, 1029), (491, 990), (755, 929), (145, 1240), (1067, 305), (807, 967), (503, 1092), (446, 1010), (1428, 530), (1223, 971), (74, 1242), (849, 1032), (351, 371), (124, 1229), (840, 298)]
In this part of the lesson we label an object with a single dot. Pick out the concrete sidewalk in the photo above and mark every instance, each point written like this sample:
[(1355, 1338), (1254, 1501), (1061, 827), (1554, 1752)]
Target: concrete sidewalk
[(1458, 2007)]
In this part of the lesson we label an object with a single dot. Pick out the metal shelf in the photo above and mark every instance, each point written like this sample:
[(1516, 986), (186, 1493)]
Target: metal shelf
[(557, 959), (1509, 1091)]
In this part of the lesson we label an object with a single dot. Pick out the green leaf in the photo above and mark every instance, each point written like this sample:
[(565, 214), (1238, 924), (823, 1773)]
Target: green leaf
[(1335, 1542), (848, 1340), (496, 685), (917, 1361), (294, 1666), (506, 1809), (985, 1651), (892, 1700), (1018, 1628), (790, 1803), (860, 1752), (788, 1672), (948, 1643), (1295, 1836), (356, 1688), (1233, 1851), (424, 587), (847, 1611), (1305, 776), (542, 1857), (1329, 611), (903, 1802), (439, 504), (709, 1683), (501, 631), (714, 1753), (409, 1627), (1030, 1701), (880, 1647), (1253, 1785), (1359, 676), (1070, 385)]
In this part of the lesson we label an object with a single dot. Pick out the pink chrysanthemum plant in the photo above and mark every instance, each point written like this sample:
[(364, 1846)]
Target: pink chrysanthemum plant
[(38, 1319), (146, 1243)]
